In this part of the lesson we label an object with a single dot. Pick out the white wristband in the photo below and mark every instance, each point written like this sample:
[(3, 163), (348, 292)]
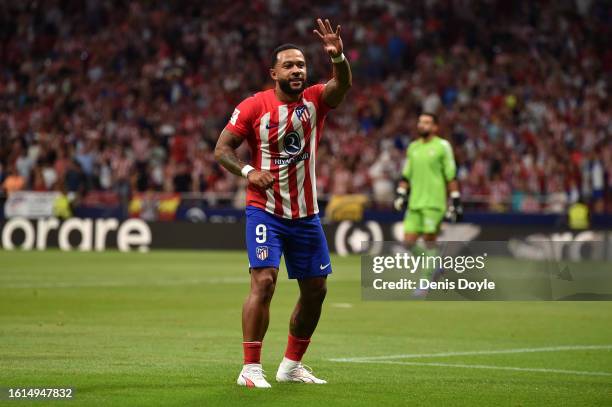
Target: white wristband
[(455, 194), (246, 169), (338, 59)]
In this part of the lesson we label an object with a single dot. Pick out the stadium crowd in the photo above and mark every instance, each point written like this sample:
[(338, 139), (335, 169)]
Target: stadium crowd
[(131, 96)]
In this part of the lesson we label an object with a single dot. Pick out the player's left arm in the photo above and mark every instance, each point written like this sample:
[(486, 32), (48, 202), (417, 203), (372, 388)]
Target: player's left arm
[(342, 79), (455, 210)]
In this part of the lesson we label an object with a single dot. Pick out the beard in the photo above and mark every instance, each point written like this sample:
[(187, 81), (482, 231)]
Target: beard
[(423, 133), (285, 86)]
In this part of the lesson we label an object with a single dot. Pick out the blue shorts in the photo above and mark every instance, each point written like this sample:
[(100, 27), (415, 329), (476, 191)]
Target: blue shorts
[(302, 242)]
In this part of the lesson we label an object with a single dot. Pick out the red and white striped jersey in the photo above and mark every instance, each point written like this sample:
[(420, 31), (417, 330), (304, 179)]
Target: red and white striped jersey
[(283, 139)]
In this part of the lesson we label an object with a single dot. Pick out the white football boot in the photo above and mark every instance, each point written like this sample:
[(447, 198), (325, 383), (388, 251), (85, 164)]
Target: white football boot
[(291, 371), (252, 375)]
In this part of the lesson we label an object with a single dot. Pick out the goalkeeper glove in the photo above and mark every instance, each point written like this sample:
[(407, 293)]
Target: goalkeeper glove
[(455, 210), (401, 199)]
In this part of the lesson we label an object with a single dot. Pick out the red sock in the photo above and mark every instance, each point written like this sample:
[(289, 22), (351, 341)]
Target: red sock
[(252, 352), (296, 347)]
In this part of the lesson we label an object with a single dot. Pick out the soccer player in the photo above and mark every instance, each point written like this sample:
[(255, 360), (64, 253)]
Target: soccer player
[(429, 170), (282, 127)]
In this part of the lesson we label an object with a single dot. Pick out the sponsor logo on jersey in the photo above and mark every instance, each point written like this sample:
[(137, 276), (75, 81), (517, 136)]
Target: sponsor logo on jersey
[(292, 143), (234, 118), (291, 160)]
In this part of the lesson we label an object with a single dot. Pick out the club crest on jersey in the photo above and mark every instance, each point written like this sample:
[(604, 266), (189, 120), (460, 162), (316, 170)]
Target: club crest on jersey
[(261, 252), (302, 113), (292, 143)]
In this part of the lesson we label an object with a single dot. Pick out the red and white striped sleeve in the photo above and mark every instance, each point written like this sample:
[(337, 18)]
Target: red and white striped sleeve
[(241, 121)]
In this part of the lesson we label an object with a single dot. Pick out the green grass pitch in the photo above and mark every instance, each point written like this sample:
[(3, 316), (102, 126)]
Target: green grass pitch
[(163, 328)]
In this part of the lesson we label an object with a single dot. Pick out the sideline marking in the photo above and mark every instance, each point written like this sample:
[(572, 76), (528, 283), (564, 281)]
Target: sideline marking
[(475, 352), (127, 283), (520, 369)]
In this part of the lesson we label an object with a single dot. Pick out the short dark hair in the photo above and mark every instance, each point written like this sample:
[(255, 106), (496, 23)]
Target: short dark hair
[(433, 116), (283, 48)]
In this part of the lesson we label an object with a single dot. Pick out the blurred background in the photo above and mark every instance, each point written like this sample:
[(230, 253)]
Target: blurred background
[(109, 114), (115, 106)]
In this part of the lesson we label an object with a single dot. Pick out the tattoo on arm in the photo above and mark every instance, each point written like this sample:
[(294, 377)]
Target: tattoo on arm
[(225, 152)]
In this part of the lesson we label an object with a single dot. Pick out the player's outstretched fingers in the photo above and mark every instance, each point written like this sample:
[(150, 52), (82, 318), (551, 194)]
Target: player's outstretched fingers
[(328, 26), (322, 27)]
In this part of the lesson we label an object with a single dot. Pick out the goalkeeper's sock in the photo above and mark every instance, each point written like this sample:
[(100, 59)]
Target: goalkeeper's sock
[(252, 352), (429, 269), (417, 249)]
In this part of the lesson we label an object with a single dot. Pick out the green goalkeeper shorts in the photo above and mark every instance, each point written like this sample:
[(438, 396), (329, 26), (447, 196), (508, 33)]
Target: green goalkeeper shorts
[(425, 220)]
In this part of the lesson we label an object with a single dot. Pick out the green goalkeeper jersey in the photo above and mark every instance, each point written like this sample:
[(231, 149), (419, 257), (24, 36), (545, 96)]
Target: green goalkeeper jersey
[(429, 166)]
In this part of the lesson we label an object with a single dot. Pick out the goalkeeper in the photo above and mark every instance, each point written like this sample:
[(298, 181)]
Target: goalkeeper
[(429, 170)]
